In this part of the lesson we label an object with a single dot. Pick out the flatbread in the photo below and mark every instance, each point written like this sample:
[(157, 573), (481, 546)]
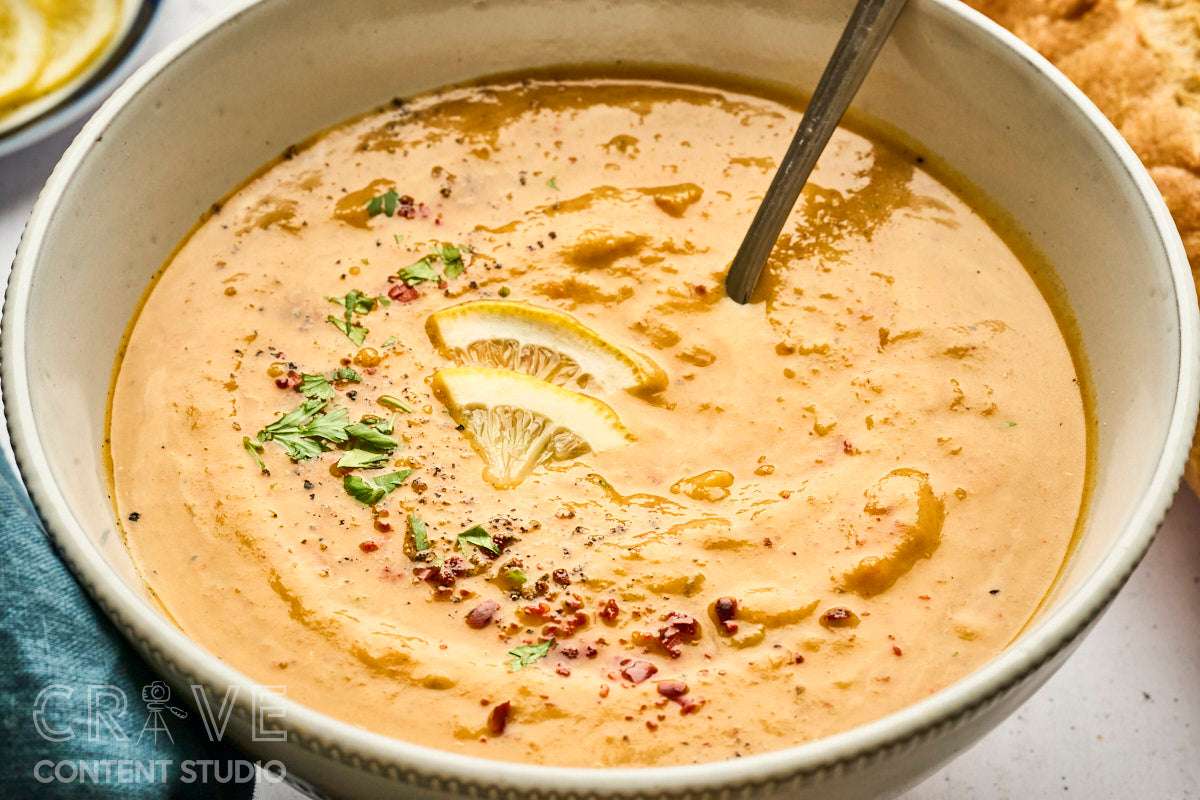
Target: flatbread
[(1139, 62)]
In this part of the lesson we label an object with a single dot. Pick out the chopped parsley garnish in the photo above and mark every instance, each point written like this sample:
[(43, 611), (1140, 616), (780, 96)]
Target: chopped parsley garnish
[(516, 576), (371, 446), (355, 302), (451, 257), (420, 537), (255, 450), (527, 654), (383, 204), (374, 435), (1010, 424), (452, 261), (477, 537), (395, 403), (305, 432), (372, 490), (388, 342), (315, 387), (505, 291), (362, 458), (419, 272), (356, 333), (553, 184), (347, 374)]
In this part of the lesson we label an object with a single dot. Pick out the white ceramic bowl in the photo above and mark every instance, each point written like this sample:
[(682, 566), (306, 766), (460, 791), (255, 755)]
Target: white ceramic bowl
[(43, 116), (212, 108)]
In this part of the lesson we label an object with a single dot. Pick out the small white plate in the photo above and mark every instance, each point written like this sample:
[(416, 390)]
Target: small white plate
[(51, 112)]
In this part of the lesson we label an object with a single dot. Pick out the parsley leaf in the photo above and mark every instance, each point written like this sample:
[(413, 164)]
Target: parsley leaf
[(478, 537), (372, 490), (387, 401), (420, 537), (362, 458), (451, 257), (553, 184), (347, 374), (527, 654), (355, 302), (388, 342), (304, 433), (419, 272), (392, 481), (315, 387), (255, 449), (452, 261), (372, 436), (356, 333), (383, 204), (372, 444)]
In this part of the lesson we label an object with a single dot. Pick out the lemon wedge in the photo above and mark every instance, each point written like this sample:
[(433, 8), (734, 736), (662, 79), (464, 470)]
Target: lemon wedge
[(78, 32), (517, 422), (23, 48), (542, 342)]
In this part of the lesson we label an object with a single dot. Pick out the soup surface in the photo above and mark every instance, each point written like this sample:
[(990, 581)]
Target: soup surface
[(697, 531)]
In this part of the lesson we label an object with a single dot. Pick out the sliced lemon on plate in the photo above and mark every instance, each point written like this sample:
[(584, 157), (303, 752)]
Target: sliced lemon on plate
[(542, 342), (78, 32), (517, 422), (23, 49)]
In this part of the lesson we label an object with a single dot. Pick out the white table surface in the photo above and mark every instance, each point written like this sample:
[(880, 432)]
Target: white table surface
[(1120, 720)]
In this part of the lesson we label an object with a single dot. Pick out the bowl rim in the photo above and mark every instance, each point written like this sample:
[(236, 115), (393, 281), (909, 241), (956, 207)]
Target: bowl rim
[(83, 92), (330, 737)]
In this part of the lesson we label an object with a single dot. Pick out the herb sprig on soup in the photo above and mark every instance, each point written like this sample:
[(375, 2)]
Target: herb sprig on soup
[(445, 417)]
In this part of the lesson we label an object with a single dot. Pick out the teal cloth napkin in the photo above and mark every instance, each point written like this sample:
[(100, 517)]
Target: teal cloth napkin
[(64, 673)]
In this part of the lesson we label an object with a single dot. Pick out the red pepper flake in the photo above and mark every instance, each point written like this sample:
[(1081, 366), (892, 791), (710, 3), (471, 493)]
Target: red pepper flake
[(563, 670), (700, 289), (289, 381), (604, 690), (540, 611), (839, 617), (797, 659), (679, 628), (896, 649), (569, 652), (451, 570), (724, 609), (403, 294), (383, 527), (368, 546), (767, 541), (482, 614), (636, 670), (609, 610), (672, 689), (676, 692), (561, 577), (498, 718)]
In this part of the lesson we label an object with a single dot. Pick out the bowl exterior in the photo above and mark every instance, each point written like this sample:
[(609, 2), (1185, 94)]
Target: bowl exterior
[(214, 106)]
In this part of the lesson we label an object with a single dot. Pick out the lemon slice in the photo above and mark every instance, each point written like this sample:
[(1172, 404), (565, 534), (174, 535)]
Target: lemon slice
[(542, 342), (79, 30), (517, 422), (23, 47)]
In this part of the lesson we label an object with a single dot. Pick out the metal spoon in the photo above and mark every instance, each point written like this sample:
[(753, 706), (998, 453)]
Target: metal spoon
[(861, 41)]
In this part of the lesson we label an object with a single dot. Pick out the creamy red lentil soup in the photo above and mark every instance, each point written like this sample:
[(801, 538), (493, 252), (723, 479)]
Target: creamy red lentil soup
[(445, 417)]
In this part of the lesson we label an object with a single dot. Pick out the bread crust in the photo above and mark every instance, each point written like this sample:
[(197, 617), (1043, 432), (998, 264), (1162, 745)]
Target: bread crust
[(1139, 62)]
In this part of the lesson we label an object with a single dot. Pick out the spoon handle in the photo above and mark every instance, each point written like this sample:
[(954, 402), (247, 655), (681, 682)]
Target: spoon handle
[(865, 33)]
